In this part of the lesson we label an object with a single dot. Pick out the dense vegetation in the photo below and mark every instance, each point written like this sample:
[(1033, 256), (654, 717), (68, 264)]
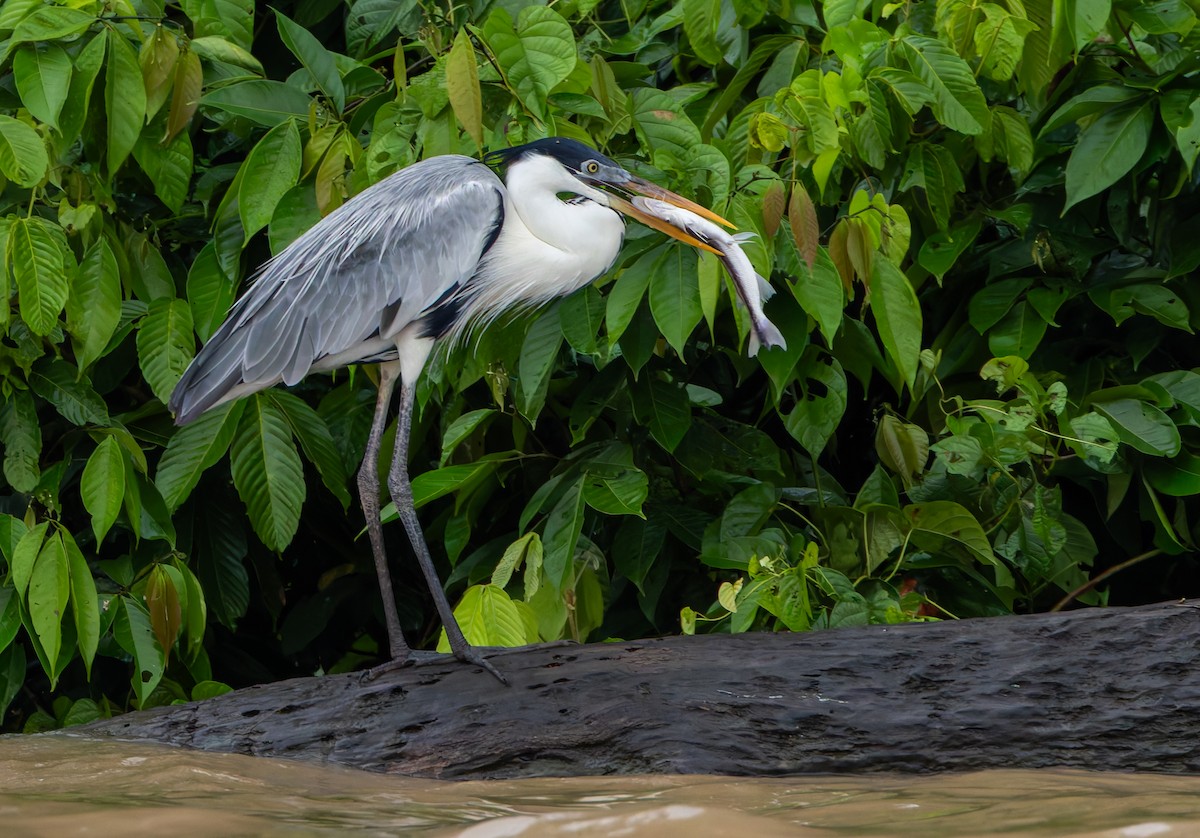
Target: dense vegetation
[(981, 220)]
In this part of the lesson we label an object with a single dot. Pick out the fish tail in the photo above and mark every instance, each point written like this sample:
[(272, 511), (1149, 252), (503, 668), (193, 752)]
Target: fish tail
[(765, 333)]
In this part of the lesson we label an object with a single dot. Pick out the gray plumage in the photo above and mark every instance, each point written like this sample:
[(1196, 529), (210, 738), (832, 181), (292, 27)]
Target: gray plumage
[(341, 292)]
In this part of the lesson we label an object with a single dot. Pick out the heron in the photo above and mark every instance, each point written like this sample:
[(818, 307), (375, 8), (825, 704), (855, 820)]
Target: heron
[(424, 257)]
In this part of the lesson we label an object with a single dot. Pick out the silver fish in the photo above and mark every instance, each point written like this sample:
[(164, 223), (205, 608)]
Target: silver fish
[(751, 288)]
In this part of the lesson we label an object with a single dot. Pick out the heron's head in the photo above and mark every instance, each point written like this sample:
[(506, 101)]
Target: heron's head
[(597, 173)]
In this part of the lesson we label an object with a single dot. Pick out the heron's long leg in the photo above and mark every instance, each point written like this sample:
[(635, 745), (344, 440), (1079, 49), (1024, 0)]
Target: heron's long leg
[(401, 488), (368, 492)]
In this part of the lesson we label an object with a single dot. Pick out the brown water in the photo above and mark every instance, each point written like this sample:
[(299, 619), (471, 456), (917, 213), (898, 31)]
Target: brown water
[(67, 785)]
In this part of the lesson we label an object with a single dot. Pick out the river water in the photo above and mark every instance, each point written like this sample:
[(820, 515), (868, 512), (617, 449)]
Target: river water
[(64, 785)]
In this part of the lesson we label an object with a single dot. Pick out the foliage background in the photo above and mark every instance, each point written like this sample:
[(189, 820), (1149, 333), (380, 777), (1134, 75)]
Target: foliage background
[(980, 218)]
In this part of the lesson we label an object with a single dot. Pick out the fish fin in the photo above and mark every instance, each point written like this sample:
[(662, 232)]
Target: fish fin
[(765, 291), (744, 237)]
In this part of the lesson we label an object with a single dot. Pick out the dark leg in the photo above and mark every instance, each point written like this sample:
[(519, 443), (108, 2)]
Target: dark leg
[(368, 493), (401, 489)]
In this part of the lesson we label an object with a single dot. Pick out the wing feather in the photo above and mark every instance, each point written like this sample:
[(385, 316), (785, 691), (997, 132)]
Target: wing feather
[(347, 286)]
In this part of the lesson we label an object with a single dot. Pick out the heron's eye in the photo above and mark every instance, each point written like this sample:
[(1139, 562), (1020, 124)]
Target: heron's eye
[(591, 167)]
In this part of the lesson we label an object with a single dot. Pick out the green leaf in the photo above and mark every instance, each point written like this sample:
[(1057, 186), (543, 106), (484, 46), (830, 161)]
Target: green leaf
[(675, 296), (185, 94), (581, 315), (934, 169), (267, 472), (124, 99), (613, 484), (261, 101), (49, 590), (94, 304), (462, 85), (218, 548), (12, 674), (38, 256), (661, 125), (232, 19), (700, 22), (940, 523), (87, 66), (822, 402), (664, 408), (536, 362), (132, 631), (103, 486), (435, 483), (821, 294), (84, 602), (488, 617), (71, 393), (1178, 477), (627, 292), (165, 344), (22, 437), (1018, 333), (897, 317), (164, 608), (460, 429), (210, 292), (526, 549), (316, 441), (193, 449), (24, 557), (563, 527), (1142, 426), (43, 76), (958, 102), (168, 166), (1107, 150), (51, 23), (157, 57), (270, 170), (320, 62), (534, 55), (999, 40)]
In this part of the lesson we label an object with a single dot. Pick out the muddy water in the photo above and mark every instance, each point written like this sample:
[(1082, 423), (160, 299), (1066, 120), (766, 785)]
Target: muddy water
[(66, 785)]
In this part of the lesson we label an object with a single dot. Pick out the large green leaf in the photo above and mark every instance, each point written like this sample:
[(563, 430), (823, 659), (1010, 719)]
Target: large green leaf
[(462, 86), (270, 170), (936, 525), (71, 392), (84, 602), (193, 449), (87, 66), (124, 99), (43, 77), (897, 317), (581, 315), (563, 527), (821, 401), (102, 486), (536, 362), (94, 304), (262, 101), (316, 441), (267, 472), (38, 256), (958, 102), (820, 293), (319, 62), (534, 55), (934, 169), (675, 295), (661, 125), (231, 19), (1142, 426), (49, 590), (626, 293), (169, 166), (489, 617), (210, 292), (50, 23), (165, 344), (22, 438), (663, 407), (133, 632), (1107, 150)]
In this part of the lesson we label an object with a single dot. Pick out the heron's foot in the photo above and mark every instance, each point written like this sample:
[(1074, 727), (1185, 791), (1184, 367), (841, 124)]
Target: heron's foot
[(474, 655)]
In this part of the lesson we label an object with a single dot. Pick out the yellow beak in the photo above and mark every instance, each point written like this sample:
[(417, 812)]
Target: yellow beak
[(651, 190)]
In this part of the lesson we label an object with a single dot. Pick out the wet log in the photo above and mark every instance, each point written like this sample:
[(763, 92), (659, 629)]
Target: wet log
[(1110, 689)]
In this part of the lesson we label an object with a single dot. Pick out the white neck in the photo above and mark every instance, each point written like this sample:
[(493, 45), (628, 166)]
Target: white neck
[(581, 228)]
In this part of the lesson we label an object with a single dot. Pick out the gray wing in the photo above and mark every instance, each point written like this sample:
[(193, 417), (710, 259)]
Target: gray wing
[(344, 289)]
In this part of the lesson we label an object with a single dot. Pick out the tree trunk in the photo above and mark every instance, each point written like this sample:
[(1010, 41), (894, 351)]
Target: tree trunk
[(1113, 689)]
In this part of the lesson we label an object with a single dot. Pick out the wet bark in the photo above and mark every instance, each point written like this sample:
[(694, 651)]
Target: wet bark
[(1111, 689)]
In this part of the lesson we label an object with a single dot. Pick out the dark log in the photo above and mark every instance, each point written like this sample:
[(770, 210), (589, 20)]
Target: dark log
[(1112, 689)]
